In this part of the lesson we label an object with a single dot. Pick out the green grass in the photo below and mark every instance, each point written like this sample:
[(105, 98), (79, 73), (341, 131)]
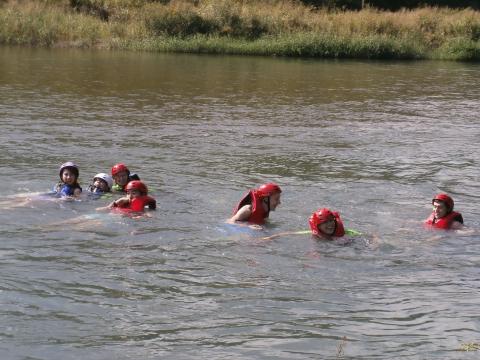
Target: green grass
[(295, 45), (269, 28)]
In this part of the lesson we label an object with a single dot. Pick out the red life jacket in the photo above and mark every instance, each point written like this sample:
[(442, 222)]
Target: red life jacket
[(258, 214), (138, 204), (339, 228), (445, 222)]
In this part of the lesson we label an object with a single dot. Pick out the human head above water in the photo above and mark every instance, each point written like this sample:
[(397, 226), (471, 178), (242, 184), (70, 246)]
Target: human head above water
[(270, 194), (120, 174), (323, 222), (103, 181), (136, 187), (69, 172), (442, 205), (268, 189)]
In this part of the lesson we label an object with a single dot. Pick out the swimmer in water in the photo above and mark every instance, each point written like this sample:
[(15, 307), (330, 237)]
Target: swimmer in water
[(137, 199), (327, 225), (132, 205), (443, 216), (101, 184), (255, 206), (68, 185), (324, 224), (67, 188), (122, 176)]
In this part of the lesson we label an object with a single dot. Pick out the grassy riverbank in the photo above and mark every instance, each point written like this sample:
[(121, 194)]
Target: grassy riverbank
[(270, 27)]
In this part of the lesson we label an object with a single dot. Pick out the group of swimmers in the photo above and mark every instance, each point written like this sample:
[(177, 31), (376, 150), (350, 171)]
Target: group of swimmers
[(254, 207), (121, 181)]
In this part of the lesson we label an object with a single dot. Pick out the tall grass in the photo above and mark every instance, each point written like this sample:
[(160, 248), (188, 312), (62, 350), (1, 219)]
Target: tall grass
[(36, 24), (269, 27)]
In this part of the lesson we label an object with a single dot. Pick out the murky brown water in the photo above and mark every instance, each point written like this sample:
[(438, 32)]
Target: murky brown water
[(374, 140)]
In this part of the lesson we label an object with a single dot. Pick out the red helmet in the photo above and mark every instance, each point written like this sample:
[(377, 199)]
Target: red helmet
[(119, 168), (445, 199), (69, 165), (268, 190), (137, 185), (319, 217)]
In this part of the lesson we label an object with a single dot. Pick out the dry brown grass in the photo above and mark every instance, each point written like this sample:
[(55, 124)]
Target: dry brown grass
[(430, 31)]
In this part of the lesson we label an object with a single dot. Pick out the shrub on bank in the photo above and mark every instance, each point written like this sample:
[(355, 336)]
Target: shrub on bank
[(393, 4), (217, 18), (36, 24), (459, 49), (182, 23), (270, 27)]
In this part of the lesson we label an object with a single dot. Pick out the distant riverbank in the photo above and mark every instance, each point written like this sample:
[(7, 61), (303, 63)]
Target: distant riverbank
[(271, 28)]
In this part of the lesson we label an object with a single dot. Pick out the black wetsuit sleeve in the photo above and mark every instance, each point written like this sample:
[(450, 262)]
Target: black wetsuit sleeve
[(133, 177), (459, 218), (152, 204)]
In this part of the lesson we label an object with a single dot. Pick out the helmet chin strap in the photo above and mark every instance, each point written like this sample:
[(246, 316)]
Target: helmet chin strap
[(267, 202)]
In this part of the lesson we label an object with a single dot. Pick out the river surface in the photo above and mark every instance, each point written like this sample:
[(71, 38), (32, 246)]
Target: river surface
[(373, 140)]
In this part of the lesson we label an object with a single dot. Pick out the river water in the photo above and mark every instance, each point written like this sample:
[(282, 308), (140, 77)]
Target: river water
[(373, 140)]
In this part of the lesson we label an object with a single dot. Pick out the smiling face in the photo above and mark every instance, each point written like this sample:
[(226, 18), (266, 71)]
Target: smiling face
[(68, 176), (440, 209), (327, 227), (121, 178)]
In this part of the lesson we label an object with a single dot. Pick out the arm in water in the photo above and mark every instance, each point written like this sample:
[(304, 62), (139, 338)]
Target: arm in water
[(122, 202), (241, 217)]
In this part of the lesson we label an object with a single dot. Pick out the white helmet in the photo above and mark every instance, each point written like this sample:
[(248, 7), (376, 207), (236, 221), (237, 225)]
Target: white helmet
[(105, 177)]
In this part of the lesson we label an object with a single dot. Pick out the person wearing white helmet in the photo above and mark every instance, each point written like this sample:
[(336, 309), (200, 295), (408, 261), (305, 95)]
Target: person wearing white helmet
[(102, 183)]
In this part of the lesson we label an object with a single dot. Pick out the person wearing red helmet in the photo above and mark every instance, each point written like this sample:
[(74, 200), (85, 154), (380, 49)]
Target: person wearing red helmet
[(137, 198), (122, 176), (68, 184), (325, 224), (255, 206), (443, 216)]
